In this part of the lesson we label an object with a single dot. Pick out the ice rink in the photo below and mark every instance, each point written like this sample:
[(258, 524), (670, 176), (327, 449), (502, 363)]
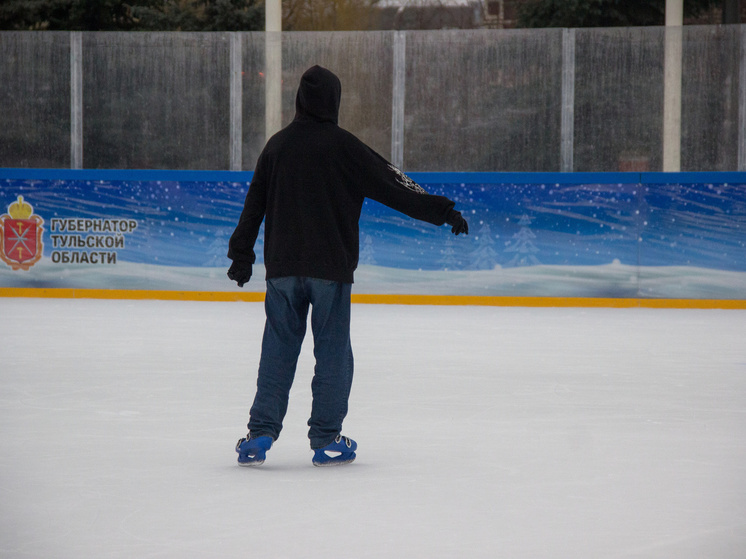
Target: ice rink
[(483, 432)]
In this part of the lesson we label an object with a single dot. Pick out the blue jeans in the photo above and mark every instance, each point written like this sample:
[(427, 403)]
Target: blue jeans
[(286, 305)]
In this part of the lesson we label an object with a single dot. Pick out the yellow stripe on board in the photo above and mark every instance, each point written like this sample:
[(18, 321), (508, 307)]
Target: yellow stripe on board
[(73, 293), (253, 296), (549, 301)]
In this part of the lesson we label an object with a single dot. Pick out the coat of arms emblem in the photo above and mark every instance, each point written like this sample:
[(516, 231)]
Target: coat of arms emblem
[(21, 236)]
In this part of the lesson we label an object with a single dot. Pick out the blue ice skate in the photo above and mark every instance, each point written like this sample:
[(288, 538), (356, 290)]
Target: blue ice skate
[(341, 451), (252, 452)]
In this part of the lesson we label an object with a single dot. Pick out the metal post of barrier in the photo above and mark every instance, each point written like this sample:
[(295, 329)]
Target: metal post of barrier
[(236, 102), (272, 67), (76, 100), (672, 86), (568, 100), (397, 99), (742, 104)]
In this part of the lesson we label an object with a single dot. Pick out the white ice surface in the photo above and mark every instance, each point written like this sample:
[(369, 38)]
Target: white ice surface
[(483, 432)]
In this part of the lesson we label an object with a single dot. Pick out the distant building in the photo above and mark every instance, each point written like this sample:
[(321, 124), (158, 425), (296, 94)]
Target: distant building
[(428, 14), (500, 14), (446, 14)]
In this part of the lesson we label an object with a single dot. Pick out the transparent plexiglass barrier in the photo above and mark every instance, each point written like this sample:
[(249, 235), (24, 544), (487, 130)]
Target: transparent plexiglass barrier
[(482, 100)]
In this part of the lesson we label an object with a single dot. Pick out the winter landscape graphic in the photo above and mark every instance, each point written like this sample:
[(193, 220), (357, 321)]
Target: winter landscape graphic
[(580, 240)]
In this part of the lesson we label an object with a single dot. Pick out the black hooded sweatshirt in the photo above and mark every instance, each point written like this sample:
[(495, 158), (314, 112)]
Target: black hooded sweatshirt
[(310, 183)]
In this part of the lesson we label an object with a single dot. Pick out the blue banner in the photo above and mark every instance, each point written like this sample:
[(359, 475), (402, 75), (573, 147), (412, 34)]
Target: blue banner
[(532, 234)]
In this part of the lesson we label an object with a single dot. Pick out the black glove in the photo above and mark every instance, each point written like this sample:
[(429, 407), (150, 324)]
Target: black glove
[(240, 272), (458, 223)]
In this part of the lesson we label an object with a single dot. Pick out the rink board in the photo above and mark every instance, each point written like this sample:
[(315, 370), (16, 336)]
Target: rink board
[(635, 238)]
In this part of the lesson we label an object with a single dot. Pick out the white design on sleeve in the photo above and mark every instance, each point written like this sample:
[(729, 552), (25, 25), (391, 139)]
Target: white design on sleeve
[(406, 182)]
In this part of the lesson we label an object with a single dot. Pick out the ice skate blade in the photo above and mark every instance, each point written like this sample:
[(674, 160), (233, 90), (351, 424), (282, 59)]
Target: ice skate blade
[(251, 463)]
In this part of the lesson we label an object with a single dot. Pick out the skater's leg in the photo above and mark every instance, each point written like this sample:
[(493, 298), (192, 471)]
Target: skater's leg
[(286, 307), (330, 322)]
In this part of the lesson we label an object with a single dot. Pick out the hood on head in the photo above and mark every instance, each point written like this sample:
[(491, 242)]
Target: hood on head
[(318, 95)]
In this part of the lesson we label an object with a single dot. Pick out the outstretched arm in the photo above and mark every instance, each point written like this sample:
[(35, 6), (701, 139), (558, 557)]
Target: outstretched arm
[(390, 186)]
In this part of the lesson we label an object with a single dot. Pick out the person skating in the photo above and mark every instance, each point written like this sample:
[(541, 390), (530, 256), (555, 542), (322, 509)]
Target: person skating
[(309, 185)]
